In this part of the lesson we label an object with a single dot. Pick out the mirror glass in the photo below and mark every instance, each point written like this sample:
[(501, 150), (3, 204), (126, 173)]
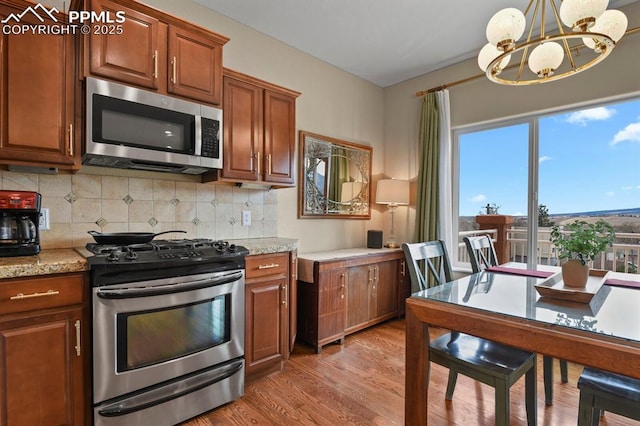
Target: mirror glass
[(335, 178)]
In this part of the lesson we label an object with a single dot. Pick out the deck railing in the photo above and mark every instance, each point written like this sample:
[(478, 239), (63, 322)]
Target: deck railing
[(623, 256)]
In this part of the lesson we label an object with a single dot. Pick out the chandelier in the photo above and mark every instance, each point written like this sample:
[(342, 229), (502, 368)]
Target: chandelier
[(589, 34)]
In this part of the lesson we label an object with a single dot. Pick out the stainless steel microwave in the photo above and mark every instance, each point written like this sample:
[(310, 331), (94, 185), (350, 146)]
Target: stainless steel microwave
[(131, 128)]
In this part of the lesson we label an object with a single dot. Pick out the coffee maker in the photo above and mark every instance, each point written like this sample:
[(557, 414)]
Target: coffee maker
[(19, 219)]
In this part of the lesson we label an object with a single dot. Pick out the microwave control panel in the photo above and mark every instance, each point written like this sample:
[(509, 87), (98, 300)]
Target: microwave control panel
[(210, 138)]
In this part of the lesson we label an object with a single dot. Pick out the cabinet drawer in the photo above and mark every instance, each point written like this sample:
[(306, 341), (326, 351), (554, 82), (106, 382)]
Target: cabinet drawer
[(28, 294), (267, 265)]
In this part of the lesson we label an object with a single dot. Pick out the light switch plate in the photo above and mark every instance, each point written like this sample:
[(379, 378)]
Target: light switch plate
[(246, 218)]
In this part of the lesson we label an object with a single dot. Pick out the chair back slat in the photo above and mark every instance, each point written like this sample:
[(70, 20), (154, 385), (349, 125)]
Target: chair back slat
[(481, 252), (428, 264)]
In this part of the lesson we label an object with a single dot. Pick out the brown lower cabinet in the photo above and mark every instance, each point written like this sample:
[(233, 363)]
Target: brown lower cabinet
[(348, 294), (44, 344), (269, 337)]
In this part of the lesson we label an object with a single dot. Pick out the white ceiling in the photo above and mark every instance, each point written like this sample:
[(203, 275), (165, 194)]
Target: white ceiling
[(382, 41)]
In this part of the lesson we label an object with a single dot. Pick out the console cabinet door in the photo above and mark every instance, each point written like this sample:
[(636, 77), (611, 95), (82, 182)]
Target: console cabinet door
[(195, 66), (130, 57), (360, 295), (386, 289), (332, 287), (42, 383), (37, 97)]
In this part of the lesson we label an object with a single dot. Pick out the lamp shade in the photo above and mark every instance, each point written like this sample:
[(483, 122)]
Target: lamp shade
[(506, 27), (612, 23), (488, 53), (392, 192), (574, 13), (546, 58)]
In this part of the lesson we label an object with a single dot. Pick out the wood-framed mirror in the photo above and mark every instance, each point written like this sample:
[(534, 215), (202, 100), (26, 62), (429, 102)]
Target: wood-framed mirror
[(335, 178)]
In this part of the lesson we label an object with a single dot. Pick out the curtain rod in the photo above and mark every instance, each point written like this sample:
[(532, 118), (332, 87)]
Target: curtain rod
[(474, 77)]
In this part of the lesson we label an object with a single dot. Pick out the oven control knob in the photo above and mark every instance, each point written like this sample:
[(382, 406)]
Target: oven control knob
[(232, 248), (131, 255), (113, 257)]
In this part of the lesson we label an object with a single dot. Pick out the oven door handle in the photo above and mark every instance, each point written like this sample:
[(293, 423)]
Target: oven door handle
[(132, 292), (174, 390)]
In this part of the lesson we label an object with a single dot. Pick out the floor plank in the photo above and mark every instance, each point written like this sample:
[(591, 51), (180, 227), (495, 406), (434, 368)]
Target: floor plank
[(362, 383)]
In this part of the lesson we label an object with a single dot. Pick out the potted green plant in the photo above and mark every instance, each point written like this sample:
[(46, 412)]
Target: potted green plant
[(578, 243)]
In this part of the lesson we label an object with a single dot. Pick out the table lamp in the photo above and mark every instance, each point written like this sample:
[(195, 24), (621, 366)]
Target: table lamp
[(393, 193)]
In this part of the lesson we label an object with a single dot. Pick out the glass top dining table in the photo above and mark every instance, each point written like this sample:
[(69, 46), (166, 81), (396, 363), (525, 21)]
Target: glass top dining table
[(507, 308)]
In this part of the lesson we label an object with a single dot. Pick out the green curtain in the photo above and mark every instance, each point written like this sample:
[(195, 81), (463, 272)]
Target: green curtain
[(339, 173), (427, 184)]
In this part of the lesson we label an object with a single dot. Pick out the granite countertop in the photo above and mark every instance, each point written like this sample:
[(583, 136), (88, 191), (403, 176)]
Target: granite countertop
[(54, 261), (58, 261)]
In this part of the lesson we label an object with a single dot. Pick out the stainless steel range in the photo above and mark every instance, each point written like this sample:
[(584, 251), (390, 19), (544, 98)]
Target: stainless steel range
[(168, 329)]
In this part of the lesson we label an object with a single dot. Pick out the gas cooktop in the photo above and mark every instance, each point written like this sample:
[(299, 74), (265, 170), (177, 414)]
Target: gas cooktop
[(111, 263)]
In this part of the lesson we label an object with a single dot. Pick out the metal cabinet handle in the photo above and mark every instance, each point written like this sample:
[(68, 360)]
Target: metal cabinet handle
[(284, 293), (258, 160), (155, 64), (70, 139), (402, 270), (21, 296), (342, 286), (269, 266), (78, 347), (174, 63), (269, 169)]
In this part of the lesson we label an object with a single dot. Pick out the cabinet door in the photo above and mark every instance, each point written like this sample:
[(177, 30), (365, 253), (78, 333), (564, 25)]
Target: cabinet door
[(37, 97), (293, 299), (131, 57), (279, 137), (266, 338), (386, 289), (42, 380), (331, 304), (242, 126), (195, 66), (360, 297)]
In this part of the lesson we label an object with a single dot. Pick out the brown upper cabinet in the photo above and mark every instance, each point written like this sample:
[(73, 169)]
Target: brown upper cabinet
[(259, 131), (37, 85), (157, 51)]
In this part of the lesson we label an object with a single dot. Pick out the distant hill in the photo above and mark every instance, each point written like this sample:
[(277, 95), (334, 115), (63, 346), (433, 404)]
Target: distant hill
[(621, 212)]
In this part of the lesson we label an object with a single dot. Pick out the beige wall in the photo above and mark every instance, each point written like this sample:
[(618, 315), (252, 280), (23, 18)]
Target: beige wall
[(481, 100)]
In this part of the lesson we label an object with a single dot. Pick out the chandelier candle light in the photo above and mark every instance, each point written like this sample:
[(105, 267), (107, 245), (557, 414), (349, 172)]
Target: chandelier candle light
[(589, 34), (393, 193)]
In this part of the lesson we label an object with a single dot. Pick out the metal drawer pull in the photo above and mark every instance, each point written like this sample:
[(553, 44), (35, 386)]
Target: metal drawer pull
[(77, 325), (21, 296), (174, 64), (269, 266), (155, 64)]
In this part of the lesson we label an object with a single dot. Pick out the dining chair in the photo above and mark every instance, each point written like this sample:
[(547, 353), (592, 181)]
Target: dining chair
[(603, 391), (489, 362), (482, 255)]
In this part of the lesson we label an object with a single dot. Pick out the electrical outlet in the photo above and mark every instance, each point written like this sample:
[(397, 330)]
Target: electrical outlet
[(246, 218), (44, 220)]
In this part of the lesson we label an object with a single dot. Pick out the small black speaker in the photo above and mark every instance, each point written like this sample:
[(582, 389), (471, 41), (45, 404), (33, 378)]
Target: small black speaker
[(374, 239)]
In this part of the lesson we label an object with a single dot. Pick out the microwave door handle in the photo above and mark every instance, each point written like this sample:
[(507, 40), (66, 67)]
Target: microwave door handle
[(130, 293), (197, 148)]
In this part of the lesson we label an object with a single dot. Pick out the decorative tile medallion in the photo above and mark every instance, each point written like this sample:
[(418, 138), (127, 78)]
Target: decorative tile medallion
[(152, 221), (71, 197), (232, 221), (195, 221), (214, 202), (127, 199), (102, 222), (175, 201)]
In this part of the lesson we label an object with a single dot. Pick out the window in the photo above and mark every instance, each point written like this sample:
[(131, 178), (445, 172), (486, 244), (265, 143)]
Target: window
[(582, 163)]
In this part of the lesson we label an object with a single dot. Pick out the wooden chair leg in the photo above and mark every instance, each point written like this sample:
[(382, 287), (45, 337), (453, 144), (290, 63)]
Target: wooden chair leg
[(564, 371), (502, 403), (451, 384), (531, 380), (547, 371)]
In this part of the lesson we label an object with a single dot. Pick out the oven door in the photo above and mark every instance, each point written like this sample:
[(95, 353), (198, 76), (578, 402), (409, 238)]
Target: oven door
[(145, 333)]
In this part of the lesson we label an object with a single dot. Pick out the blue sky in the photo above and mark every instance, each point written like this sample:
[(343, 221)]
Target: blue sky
[(589, 160)]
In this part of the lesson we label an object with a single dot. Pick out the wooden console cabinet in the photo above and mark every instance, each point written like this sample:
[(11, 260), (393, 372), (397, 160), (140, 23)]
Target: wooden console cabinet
[(344, 291)]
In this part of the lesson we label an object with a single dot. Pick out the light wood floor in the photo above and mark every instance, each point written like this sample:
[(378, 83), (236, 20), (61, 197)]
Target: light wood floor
[(362, 383)]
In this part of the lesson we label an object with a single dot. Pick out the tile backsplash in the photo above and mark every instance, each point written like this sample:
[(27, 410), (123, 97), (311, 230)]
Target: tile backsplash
[(146, 203)]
